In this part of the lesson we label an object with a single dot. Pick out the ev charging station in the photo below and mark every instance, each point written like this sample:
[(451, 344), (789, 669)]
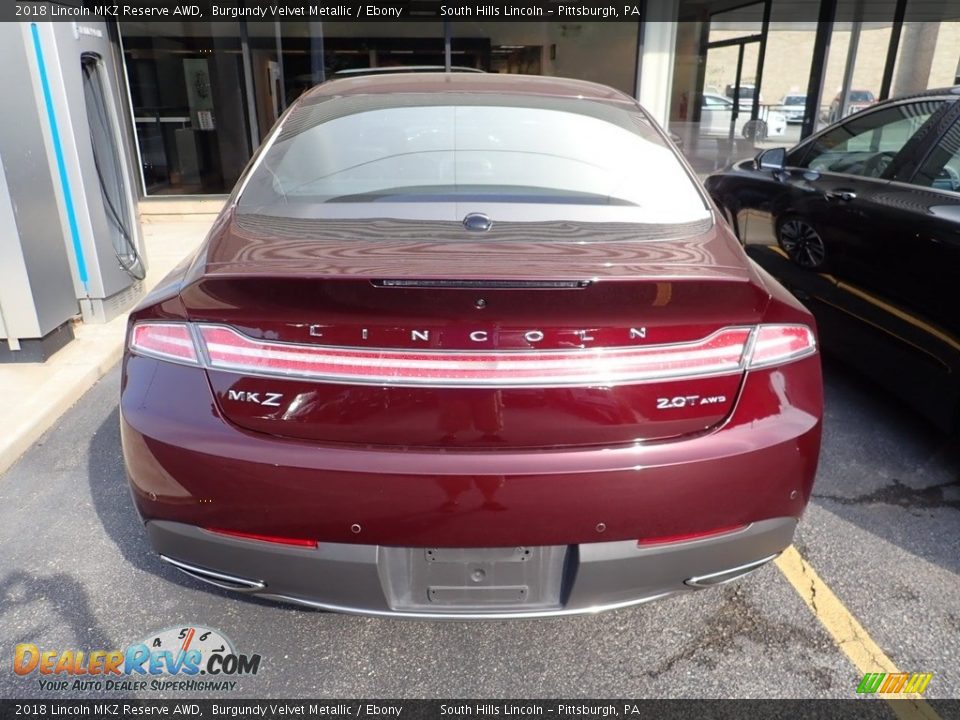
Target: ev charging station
[(70, 240)]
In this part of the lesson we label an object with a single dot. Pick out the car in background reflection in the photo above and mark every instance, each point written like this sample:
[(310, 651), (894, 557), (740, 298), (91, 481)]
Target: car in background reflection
[(862, 222), (464, 345), (857, 100), (716, 115), (792, 107), (747, 93)]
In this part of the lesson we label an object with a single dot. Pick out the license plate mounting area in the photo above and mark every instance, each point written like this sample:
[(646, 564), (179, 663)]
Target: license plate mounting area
[(465, 579)]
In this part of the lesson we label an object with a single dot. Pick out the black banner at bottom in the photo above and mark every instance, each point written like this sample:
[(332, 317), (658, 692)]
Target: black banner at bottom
[(483, 709)]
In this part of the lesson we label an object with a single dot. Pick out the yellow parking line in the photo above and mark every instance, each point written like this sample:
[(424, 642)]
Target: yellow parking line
[(849, 634)]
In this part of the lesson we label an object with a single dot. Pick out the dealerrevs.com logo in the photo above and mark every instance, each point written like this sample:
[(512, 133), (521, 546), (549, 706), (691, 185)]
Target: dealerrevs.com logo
[(173, 659)]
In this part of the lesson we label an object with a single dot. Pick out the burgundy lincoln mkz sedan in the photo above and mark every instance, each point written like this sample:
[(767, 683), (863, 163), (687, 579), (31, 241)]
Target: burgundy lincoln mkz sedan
[(469, 346)]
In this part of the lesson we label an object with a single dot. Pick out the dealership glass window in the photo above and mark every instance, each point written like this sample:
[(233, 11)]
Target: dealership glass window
[(717, 52), (188, 83), (929, 52), (868, 43), (382, 44), (786, 71), (600, 52), (288, 58), (710, 39), (859, 47), (189, 106)]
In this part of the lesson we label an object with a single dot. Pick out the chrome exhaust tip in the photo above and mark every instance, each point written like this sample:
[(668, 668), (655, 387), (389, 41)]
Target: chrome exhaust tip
[(220, 580), (725, 576)]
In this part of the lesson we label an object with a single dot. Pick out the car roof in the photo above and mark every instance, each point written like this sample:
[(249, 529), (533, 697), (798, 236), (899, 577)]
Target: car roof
[(493, 83), (935, 92), (955, 91), (394, 69)]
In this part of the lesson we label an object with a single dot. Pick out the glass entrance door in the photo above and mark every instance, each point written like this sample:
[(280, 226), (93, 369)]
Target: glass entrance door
[(732, 111), (189, 104)]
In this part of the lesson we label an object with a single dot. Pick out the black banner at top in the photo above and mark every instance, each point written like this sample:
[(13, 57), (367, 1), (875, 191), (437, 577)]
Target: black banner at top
[(567, 11), (322, 10)]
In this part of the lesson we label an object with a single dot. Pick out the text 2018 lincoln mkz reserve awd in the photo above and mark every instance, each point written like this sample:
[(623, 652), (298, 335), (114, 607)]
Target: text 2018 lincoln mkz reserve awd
[(465, 345)]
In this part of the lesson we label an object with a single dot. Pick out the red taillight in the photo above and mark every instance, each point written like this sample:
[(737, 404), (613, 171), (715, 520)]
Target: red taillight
[(729, 350), (717, 354), (777, 344), (167, 341), (299, 542), (666, 539)]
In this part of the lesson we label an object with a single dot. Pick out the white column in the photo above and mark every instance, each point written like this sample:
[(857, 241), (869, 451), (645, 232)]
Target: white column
[(655, 66)]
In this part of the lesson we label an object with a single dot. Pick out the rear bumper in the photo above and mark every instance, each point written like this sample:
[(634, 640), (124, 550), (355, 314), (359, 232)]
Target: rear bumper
[(188, 465), (361, 578), (376, 515)]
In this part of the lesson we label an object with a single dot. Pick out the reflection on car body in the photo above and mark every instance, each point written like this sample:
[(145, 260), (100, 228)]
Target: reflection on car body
[(862, 222)]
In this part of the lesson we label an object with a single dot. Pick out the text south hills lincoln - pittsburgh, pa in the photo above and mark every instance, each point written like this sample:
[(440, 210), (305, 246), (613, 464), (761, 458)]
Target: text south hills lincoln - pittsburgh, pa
[(558, 11)]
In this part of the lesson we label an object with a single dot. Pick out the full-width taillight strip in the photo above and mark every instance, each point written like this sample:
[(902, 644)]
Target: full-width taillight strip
[(722, 352), (725, 351)]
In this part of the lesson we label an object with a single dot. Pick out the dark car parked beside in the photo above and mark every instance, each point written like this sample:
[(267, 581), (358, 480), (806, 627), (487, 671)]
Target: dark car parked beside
[(862, 222)]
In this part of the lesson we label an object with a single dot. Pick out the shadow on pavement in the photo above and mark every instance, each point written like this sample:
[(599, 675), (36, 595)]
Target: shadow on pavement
[(61, 593), (112, 501), (879, 456), (120, 520)]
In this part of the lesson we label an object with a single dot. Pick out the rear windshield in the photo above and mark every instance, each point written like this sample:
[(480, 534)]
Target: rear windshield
[(535, 158), (861, 96), (794, 100)]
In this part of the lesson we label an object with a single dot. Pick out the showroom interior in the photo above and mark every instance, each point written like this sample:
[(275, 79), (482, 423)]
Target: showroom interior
[(204, 94)]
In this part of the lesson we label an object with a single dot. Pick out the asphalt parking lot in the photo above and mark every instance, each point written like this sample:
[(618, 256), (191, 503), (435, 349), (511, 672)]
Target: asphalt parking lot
[(883, 532)]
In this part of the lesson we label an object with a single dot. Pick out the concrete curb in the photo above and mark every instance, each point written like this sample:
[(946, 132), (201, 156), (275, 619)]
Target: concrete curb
[(15, 444), (38, 394)]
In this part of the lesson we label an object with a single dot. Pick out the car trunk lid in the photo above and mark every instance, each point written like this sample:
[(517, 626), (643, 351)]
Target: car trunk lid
[(378, 338)]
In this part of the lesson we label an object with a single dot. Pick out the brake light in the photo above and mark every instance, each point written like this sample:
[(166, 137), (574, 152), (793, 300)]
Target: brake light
[(277, 539), (717, 354), (778, 344), (729, 350), (166, 341), (685, 537)]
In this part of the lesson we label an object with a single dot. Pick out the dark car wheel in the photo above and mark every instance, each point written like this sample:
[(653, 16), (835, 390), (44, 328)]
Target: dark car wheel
[(802, 243), (755, 130)]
